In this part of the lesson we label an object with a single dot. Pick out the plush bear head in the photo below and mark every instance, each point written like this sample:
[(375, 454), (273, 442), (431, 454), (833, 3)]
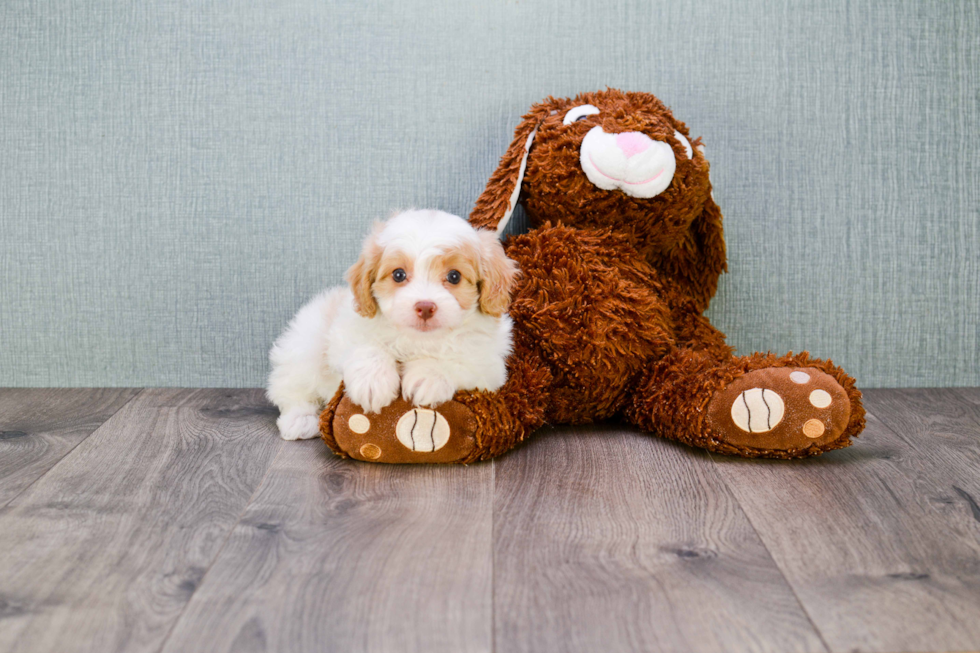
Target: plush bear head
[(620, 161)]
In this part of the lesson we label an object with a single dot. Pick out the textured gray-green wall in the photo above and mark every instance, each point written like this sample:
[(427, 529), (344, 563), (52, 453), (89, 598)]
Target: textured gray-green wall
[(177, 177)]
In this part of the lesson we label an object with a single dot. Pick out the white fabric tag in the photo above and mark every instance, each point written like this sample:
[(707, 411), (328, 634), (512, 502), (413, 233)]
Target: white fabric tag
[(517, 187)]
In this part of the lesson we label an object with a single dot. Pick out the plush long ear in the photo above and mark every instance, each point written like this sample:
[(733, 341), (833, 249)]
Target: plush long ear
[(497, 202), (700, 259), (497, 275), (362, 275)]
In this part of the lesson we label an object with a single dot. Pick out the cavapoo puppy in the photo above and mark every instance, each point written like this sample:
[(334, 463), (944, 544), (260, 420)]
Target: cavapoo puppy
[(425, 315)]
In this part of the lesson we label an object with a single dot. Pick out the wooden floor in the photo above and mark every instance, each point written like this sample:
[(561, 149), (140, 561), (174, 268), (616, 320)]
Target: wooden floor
[(178, 521)]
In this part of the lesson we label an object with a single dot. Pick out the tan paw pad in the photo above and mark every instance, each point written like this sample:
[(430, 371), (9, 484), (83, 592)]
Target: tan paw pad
[(813, 428)]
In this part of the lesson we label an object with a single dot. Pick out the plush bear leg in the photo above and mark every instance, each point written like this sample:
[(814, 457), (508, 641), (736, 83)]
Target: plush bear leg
[(473, 426), (754, 406)]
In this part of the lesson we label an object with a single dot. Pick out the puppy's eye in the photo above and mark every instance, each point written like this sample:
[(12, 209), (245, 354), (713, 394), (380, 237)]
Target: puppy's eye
[(399, 275), (454, 277), (579, 113)]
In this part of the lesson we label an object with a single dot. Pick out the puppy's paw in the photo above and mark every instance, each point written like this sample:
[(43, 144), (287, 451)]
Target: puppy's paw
[(299, 424), (371, 385), (426, 389)]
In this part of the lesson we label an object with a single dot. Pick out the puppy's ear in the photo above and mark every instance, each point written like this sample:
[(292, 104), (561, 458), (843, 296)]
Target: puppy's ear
[(497, 202), (362, 275), (498, 274)]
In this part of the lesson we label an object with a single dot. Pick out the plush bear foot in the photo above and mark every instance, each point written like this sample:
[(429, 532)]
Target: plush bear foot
[(797, 410), (401, 432)]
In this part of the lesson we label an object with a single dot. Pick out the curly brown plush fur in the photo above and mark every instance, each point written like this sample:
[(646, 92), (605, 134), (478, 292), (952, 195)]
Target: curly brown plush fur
[(608, 317)]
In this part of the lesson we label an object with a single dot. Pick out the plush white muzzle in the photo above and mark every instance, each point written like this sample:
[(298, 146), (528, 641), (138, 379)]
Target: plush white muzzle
[(629, 161)]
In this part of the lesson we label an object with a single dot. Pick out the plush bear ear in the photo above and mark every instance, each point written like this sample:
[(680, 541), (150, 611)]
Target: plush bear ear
[(708, 260), (497, 202), (699, 258)]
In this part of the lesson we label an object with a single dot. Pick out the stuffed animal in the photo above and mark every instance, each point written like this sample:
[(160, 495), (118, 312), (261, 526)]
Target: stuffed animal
[(623, 257)]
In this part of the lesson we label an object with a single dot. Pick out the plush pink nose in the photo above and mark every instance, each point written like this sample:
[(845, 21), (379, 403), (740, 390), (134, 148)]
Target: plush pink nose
[(632, 143), (425, 310)]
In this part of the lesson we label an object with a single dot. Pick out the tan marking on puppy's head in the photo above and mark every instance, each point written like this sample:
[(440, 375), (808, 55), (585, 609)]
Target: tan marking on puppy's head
[(464, 259), (362, 275), (498, 274), (385, 285)]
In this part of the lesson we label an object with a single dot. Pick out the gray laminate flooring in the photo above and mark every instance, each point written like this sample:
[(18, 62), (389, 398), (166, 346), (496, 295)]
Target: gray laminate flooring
[(176, 520)]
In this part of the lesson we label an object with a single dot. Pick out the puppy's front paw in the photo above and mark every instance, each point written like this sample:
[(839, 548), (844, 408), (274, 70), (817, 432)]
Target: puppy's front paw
[(299, 424), (426, 389), (371, 385)]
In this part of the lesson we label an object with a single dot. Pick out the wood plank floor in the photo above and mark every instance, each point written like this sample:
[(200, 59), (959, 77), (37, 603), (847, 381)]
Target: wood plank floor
[(176, 520)]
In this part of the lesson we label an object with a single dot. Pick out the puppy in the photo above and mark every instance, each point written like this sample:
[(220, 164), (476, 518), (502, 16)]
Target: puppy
[(424, 315)]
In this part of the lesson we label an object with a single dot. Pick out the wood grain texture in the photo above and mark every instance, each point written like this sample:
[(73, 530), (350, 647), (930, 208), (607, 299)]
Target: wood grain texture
[(336, 555), (184, 524), (608, 540), (38, 426), (972, 398), (880, 541), (103, 552)]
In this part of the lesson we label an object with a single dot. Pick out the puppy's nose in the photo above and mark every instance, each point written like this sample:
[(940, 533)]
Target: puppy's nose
[(425, 310)]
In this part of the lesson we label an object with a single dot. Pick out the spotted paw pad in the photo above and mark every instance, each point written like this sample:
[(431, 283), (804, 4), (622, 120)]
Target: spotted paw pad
[(780, 408), (403, 433)]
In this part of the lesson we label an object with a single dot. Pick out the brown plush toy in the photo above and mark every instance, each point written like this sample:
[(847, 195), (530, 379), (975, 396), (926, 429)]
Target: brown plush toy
[(623, 258)]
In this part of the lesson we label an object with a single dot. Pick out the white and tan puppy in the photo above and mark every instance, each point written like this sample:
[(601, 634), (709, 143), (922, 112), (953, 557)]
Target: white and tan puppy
[(425, 315)]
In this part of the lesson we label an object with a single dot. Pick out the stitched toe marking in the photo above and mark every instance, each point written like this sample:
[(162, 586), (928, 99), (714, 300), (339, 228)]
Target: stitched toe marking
[(757, 410), (421, 429)]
